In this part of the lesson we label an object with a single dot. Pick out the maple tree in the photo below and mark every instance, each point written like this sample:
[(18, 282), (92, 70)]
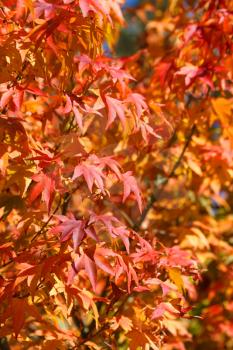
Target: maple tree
[(116, 176)]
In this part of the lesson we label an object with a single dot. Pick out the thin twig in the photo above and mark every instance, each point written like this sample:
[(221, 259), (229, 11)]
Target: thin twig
[(47, 222), (154, 197), (7, 263), (104, 327), (63, 210)]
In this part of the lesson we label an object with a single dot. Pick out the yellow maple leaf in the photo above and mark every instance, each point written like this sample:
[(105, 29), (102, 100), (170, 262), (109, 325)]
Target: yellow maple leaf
[(176, 277)]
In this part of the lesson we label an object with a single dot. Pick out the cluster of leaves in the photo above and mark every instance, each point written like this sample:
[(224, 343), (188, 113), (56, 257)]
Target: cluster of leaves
[(113, 173), (187, 70)]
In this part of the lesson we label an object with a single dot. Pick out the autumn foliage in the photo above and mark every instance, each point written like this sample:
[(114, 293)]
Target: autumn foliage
[(116, 176)]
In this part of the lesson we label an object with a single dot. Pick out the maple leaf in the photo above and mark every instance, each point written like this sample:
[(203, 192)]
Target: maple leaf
[(114, 227), (5, 98), (138, 339), (43, 7), (78, 118), (146, 130), (165, 286), (86, 110), (193, 164), (121, 321), (91, 271), (116, 8), (162, 71), (45, 158), (130, 185), (83, 262), (68, 228), (162, 308), (19, 309), (120, 75), (191, 72), (176, 277), (77, 229), (18, 312), (98, 6), (45, 186), (223, 108), (145, 253), (91, 173), (139, 101), (190, 31), (57, 85), (115, 108), (92, 170), (100, 257), (108, 162)]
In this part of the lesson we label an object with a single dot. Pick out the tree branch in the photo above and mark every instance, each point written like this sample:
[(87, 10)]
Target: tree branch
[(104, 326), (47, 222), (154, 197)]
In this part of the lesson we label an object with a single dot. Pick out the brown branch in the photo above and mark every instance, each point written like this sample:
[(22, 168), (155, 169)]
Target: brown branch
[(47, 222), (63, 204), (155, 196)]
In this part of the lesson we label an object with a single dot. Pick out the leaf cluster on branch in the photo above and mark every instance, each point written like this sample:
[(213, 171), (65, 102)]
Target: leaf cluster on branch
[(115, 176)]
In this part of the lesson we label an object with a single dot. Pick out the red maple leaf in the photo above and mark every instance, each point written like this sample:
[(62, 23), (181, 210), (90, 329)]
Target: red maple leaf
[(115, 108), (45, 186), (130, 185)]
